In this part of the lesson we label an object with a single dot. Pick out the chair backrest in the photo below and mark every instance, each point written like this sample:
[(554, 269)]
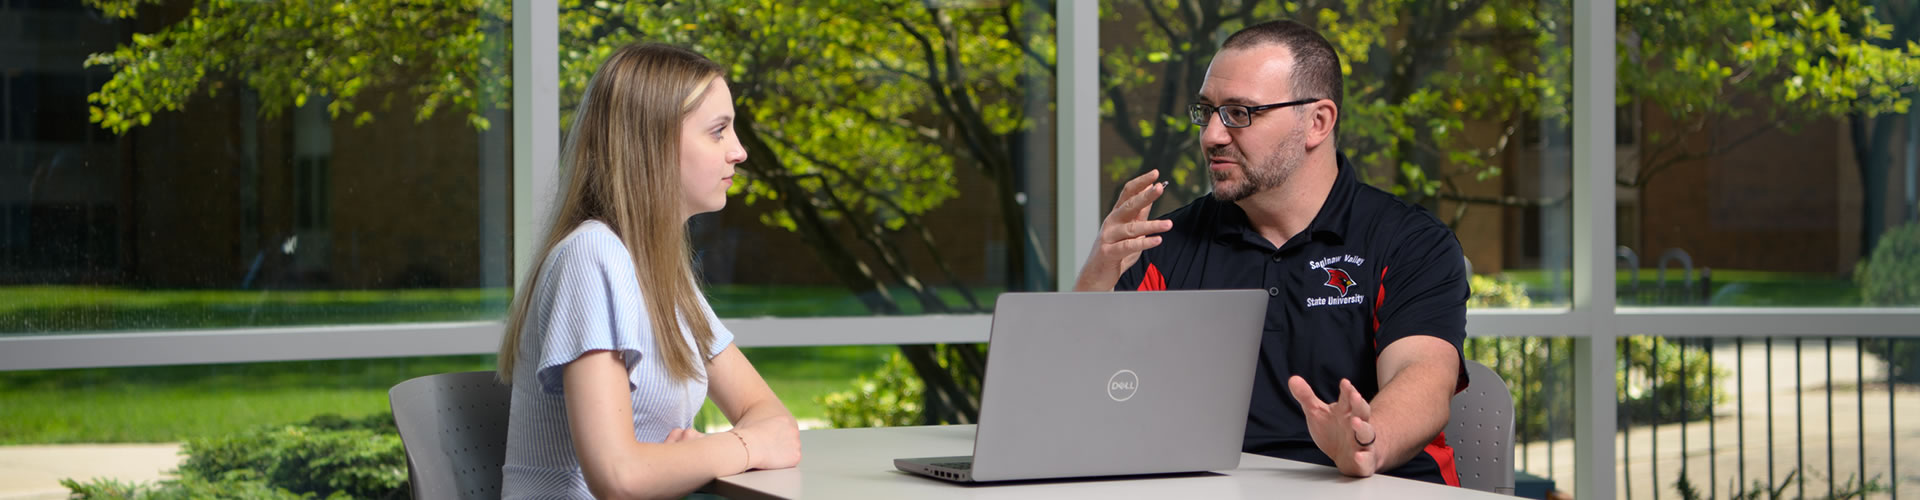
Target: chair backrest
[(454, 427), (1480, 430)]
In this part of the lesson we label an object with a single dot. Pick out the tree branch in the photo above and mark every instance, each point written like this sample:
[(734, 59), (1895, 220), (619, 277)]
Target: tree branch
[(1014, 35), (913, 220), (899, 71), (1122, 118), (873, 234), (764, 162), (1714, 149), (1158, 21)]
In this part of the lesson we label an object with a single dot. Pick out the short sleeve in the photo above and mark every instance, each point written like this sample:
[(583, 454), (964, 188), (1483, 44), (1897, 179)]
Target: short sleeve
[(589, 297), (1423, 289)]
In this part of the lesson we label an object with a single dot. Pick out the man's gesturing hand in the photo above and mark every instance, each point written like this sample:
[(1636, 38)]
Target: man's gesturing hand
[(1341, 428), (1124, 234)]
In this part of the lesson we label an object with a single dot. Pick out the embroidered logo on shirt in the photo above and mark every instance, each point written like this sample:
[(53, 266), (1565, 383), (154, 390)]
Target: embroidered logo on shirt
[(1337, 279)]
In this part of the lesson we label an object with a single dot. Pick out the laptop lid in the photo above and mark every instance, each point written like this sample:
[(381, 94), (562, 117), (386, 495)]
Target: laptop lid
[(1108, 383)]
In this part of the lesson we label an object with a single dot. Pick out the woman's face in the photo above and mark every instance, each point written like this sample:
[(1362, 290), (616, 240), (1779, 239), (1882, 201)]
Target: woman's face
[(708, 151)]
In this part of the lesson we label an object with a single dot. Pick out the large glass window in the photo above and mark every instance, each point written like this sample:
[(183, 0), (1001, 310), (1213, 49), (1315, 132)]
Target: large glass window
[(900, 162), (1767, 154), (900, 155), (1464, 111), (193, 164), (339, 163)]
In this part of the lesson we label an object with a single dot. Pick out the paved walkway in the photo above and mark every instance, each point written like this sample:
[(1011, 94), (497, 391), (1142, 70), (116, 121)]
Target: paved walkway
[(34, 472)]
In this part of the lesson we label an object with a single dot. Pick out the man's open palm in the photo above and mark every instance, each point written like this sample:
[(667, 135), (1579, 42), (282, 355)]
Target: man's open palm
[(1340, 428)]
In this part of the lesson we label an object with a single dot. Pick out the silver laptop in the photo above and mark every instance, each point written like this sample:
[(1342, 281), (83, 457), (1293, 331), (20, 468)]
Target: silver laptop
[(1111, 383)]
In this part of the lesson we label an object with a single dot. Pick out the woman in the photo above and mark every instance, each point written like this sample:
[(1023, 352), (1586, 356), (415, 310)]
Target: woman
[(610, 347)]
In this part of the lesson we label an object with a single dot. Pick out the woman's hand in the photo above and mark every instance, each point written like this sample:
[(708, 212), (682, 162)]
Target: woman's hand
[(772, 443), (771, 435)]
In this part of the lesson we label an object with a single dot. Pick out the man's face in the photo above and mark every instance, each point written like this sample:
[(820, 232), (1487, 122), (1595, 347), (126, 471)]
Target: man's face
[(1261, 156)]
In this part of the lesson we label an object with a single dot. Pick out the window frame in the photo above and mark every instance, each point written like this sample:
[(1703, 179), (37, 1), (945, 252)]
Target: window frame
[(1592, 319)]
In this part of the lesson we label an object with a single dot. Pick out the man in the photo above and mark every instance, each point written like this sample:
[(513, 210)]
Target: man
[(1369, 293)]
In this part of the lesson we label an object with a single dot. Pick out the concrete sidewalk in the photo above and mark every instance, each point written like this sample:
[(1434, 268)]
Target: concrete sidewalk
[(34, 472)]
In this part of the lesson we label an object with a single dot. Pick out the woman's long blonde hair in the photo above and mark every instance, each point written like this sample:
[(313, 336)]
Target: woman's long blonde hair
[(624, 156)]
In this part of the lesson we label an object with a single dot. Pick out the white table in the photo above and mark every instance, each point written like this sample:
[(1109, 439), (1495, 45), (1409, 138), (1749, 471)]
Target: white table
[(858, 463)]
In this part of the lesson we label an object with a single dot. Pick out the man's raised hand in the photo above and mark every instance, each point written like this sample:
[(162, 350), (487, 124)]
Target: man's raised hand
[(1124, 234)]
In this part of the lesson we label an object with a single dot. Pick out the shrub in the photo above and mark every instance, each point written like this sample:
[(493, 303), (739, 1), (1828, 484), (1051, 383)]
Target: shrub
[(1682, 378), (1490, 292), (328, 456), (887, 397), (241, 484), (357, 462), (1891, 277)]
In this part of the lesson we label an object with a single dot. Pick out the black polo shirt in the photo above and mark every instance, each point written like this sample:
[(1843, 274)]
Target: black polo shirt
[(1369, 270)]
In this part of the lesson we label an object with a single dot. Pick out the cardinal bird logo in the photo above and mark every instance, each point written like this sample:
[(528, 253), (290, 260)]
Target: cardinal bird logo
[(1339, 280)]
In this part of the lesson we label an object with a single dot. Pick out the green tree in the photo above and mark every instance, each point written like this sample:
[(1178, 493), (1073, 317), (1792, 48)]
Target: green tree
[(855, 121), (856, 117), (1436, 92), (1871, 130), (447, 54)]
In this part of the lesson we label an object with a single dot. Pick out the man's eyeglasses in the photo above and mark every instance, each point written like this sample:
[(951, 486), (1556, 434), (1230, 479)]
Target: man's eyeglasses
[(1235, 115)]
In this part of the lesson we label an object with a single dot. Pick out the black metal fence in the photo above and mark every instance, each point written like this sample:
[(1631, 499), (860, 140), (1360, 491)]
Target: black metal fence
[(1720, 409)]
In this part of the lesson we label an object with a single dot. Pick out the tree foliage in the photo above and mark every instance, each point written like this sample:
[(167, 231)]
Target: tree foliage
[(858, 116), (1437, 92), (856, 119), (444, 54)]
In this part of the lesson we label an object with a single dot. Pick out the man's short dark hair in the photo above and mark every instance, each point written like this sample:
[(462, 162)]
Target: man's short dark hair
[(1316, 67)]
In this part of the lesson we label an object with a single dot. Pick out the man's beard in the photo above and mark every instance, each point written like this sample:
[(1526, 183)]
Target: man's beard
[(1269, 173)]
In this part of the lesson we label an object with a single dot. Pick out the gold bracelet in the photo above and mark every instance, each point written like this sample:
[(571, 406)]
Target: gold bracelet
[(743, 447)]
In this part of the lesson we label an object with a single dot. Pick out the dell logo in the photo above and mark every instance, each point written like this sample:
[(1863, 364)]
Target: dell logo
[(1122, 385)]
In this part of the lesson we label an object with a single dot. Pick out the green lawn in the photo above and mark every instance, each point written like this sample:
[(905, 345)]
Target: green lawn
[(40, 309), (174, 403), (77, 309)]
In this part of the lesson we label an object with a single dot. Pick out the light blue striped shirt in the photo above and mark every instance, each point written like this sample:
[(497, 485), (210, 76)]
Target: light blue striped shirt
[(587, 298)]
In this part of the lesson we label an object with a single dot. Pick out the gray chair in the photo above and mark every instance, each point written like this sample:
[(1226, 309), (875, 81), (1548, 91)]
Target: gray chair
[(454, 427), (1480, 430)]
